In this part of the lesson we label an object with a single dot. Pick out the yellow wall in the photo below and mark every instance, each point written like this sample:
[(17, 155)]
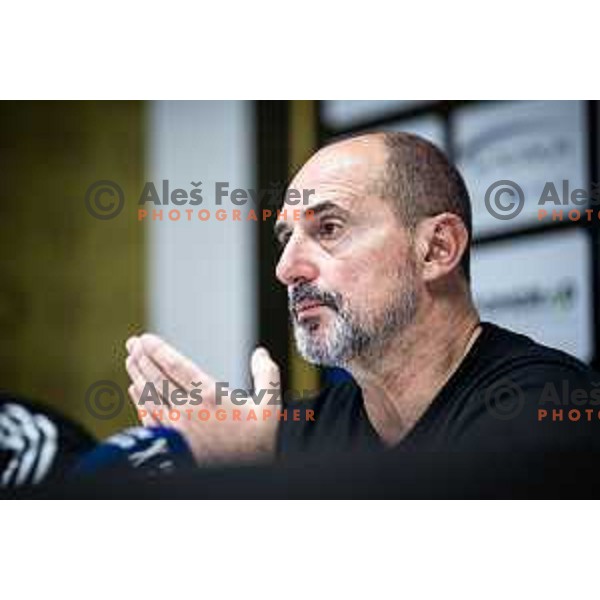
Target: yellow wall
[(72, 285)]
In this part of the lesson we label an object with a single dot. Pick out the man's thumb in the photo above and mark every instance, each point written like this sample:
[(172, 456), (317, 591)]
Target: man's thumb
[(265, 373)]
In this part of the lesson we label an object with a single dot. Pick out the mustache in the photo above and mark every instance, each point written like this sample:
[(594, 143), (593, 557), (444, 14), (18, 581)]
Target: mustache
[(308, 291)]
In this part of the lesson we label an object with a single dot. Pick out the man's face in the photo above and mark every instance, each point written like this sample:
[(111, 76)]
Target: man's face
[(350, 269)]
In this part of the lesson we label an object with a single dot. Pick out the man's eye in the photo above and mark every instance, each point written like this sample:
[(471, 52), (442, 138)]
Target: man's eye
[(329, 229)]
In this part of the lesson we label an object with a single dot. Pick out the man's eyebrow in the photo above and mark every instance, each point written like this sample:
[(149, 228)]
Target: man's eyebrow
[(325, 206), (317, 209)]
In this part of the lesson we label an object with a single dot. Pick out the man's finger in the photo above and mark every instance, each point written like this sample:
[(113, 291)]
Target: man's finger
[(153, 375), (146, 376), (143, 413), (148, 412), (129, 344), (265, 372), (132, 370), (136, 376), (136, 389), (173, 364)]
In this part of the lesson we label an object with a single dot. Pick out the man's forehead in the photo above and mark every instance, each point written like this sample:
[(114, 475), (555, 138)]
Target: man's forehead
[(356, 161), (342, 173)]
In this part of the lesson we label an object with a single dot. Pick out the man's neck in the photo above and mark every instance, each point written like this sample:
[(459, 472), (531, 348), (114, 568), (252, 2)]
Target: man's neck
[(401, 385)]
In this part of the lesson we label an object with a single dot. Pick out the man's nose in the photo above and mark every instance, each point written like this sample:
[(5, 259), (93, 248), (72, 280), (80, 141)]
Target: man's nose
[(296, 263)]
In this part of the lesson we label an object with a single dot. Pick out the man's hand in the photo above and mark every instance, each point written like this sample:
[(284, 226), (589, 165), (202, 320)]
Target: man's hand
[(215, 432)]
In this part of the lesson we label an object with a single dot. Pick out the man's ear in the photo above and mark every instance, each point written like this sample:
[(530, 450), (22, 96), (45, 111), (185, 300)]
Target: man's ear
[(441, 241)]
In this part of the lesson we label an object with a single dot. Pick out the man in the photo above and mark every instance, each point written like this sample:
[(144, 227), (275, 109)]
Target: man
[(378, 282)]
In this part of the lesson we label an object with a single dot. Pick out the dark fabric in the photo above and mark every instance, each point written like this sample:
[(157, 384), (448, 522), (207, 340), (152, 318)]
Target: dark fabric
[(37, 445), (490, 403)]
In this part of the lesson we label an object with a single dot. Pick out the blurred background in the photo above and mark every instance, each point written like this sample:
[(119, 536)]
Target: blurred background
[(75, 286)]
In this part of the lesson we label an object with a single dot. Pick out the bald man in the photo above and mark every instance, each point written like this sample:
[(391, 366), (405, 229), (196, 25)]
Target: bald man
[(378, 283)]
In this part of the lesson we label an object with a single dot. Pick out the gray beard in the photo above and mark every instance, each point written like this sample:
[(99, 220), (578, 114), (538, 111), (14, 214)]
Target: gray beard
[(350, 336)]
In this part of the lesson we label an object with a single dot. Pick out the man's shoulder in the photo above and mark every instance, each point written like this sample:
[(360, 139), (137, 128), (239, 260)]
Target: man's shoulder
[(503, 353), (506, 344), (504, 398)]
